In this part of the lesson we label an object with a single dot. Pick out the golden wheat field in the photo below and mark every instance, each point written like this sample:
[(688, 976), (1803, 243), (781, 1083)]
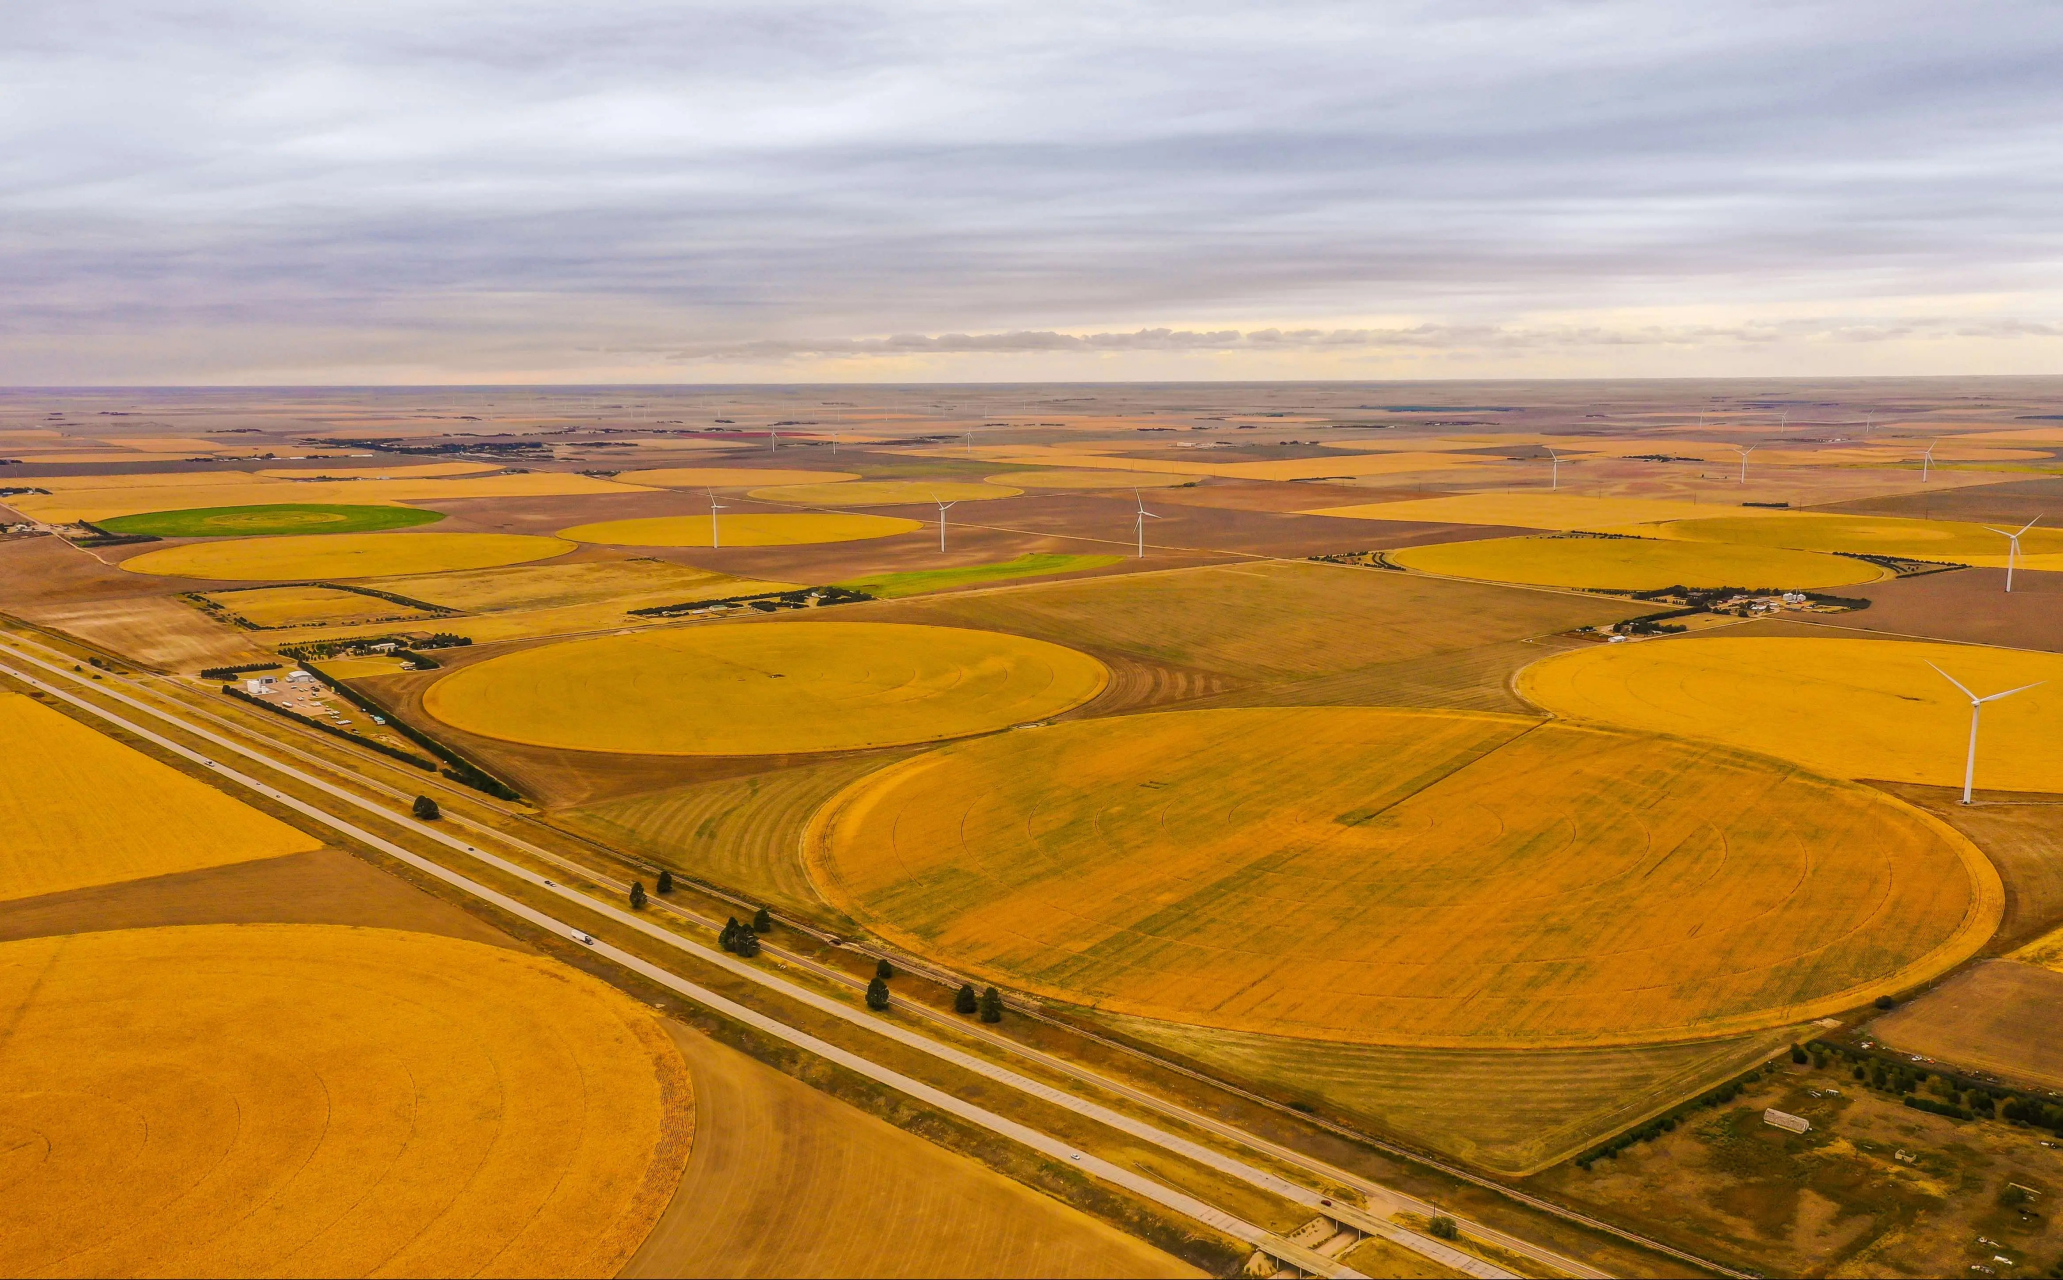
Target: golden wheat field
[(1852, 708), (397, 472), (1634, 564), (765, 688), (1529, 510), (326, 1100), (114, 496), (1075, 479), (551, 586), (307, 605), (1404, 878), (78, 808), (344, 555), (742, 529), (729, 477), (1950, 540), (883, 493)]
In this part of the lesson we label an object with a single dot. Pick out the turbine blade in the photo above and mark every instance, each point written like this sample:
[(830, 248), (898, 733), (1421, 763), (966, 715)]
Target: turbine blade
[(2010, 692), (1952, 680), (2025, 527)]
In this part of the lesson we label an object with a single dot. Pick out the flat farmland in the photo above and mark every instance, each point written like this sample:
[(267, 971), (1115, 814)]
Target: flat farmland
[(557, 585), (740, 529), (311, 605), (884, 493), (117, 497), (382, 1100), (1406, 878), (343, 555), (729, 477), (1948, 540), (81, 809), (765, 688), (1852, 708), (1968, 605), (275, 518), (1999, 1016), (2011, 503), (1511, 1111), (1634, 564), (155, 631)]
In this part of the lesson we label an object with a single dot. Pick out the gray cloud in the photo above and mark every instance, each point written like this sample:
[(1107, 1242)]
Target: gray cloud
[(230, 188)]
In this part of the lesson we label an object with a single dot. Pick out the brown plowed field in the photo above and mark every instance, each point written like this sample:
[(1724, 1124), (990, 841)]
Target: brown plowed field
[(2016, 500), (786, 1181), (2022, 834), (1969, 605), (2000, 1016), (152, 631)]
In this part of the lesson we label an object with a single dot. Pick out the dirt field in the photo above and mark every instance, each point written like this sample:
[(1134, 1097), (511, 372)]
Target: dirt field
[(1529, 510), (81, 809), (387, 1100), (785, 1181), (2022, 834), (740, 529), (1067, 479), (1402, 878), (1852, 708), (154, 631), (342, 555), (1634, 564), (728, 477), (1837, 1201), (2016, 500), (2000, 1017), (1550, 1103), (1970, 606), (883, 493), (765, 689)]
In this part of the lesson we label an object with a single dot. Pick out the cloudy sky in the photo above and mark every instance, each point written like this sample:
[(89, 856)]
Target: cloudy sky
[(616, 190)]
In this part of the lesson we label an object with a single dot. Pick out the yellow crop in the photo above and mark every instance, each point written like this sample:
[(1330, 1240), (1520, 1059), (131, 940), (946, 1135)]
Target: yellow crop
[(78, 808), (742, 529), (385, 473), (729, 477), (1634, 564), (547, 586), (1532, 510), (344, 555), (1879, 535), (1852, 708), (765, 688), (1069, 479), (318, 1100), (307, 605), (118, 499), (883, 493), (1398, 877)]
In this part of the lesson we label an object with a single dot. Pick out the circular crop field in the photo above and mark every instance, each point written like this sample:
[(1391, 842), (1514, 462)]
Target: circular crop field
[(1852, 708), (745, 529), (884, 493), (1403, 877), (766, 688), (729, 477), (1635, 564), (320, 1100), (365, 555), (277, 518), (1089, 480)]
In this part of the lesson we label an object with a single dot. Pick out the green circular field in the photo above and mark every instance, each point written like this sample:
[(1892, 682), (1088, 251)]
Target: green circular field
[(273, 518)]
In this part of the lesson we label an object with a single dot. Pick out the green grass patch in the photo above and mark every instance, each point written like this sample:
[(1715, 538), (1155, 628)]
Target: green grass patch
[(273, 518), (887, 586)]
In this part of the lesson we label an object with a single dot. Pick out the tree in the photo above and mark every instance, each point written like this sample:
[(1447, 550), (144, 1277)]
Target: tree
[(1798, 1054), (884, 970), (877, 995), (666, 882), (425, 809), (966, 1001), (1886, 1002), (1444, 1227), (728, 939), (637, 895), (747, 944), (991, 1005), (762, 921)]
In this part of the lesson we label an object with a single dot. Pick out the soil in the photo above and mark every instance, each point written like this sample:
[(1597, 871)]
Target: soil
[(1999, 1017)]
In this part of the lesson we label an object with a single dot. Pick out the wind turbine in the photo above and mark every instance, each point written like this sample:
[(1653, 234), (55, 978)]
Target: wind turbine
[(1744, 452), (1927, 461), (715, 538), (1554, 469), (1977, 706), (773, 440), (1140, 521), (943, 507), (2013, 550)]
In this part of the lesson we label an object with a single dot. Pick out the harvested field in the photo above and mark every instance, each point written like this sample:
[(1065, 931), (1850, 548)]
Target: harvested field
[(309, 605), (765, 688), (1454, 880), (81, 809), (729, 477), (1074, 479), (552, 586), (2022, 834), (397, 472), (1482, 678), (1852, 708), (1968, 605), (154, 631), (2000, 1016), (744, 833), (277, 518), (1634, 564), (786, 1181), (237, 1099), (344, 555), (2017, 501), (117, 498), (889, 586), (1530, 510), (1269, 622), (751, 529), (566, 620), (1878, 535), (883, 493), (1550, 1103)]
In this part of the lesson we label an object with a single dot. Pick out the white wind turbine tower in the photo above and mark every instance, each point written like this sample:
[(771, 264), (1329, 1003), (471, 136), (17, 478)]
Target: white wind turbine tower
[(943, 507), (2013, 549), (715, 537), (1977, 706), (1140, 521), (1554, 468), (1927, 461), (1744, 451)]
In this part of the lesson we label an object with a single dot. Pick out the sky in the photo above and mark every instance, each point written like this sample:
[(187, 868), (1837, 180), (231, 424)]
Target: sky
[(443, 191)]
